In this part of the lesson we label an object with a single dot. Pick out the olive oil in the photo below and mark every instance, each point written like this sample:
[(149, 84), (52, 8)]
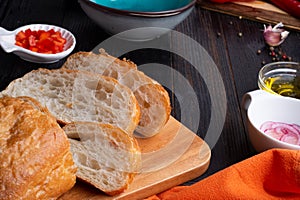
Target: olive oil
[(284, 85)]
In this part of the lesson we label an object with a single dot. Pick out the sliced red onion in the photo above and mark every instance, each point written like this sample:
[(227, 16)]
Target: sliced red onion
[(290, 138), (266, 126), (289, 133), (297, 127), (274, 134)]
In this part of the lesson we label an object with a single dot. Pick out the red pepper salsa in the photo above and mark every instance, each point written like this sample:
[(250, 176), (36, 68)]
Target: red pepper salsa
[(41, 41)]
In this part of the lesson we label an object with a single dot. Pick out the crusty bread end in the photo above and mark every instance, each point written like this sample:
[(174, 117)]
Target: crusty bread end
[(35, 157)]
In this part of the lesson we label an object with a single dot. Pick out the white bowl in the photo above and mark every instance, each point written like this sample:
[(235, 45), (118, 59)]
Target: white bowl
[(7, 42), (261, 106), (117, 21)]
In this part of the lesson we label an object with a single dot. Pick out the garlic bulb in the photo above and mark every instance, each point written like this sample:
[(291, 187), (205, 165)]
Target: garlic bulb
[(276, 35)]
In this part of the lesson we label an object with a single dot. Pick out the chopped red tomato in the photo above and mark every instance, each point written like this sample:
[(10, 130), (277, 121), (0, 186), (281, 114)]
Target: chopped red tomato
[(20, 36), (41, 41)]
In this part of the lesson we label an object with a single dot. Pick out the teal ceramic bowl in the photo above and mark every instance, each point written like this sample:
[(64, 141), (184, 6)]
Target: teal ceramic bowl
[(143, 5), (129, 19)]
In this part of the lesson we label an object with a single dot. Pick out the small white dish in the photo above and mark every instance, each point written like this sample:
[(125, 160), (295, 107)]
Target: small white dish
[(261, 106), (7, 42)]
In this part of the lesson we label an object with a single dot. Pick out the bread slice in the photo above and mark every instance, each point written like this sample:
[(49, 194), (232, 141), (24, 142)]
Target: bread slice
[(153, 99), (102, 64), (35, 157), (79, 96), (105, 155)]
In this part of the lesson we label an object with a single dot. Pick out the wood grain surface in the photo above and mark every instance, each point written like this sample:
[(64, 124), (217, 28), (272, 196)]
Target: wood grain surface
[(170, 158), (231, 42), (257, 10)]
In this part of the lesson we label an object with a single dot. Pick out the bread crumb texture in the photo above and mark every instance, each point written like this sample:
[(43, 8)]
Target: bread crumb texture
[(72, 95), (106, 156)]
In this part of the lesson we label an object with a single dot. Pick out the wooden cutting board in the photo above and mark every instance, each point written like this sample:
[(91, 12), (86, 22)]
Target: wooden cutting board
[(170, 158), (255, 10)]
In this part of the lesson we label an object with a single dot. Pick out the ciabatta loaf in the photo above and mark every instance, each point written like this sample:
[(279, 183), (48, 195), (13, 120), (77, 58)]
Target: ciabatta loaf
[(153, 99), (105, 155), (72, 95), (35, 157)]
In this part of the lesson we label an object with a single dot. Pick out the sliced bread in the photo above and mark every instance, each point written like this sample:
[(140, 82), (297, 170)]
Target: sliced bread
[(72, 95), (153, 99), (103, 64), (105, 155)]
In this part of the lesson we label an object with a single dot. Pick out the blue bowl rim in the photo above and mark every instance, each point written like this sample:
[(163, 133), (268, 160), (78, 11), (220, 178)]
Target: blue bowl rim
[(141, 14)]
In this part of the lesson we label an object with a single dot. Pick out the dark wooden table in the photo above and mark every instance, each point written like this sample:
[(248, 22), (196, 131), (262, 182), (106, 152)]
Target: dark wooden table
[(232, 42)]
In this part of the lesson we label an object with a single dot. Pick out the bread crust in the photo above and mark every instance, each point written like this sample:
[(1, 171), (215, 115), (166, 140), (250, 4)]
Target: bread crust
[(35, 159), (109, 66), (148, 126)]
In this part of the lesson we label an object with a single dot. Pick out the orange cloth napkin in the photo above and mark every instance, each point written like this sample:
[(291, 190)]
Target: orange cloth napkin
[(273, 174)]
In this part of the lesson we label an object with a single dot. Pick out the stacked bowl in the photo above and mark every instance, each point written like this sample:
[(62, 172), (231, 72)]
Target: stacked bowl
[(135, 19)]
